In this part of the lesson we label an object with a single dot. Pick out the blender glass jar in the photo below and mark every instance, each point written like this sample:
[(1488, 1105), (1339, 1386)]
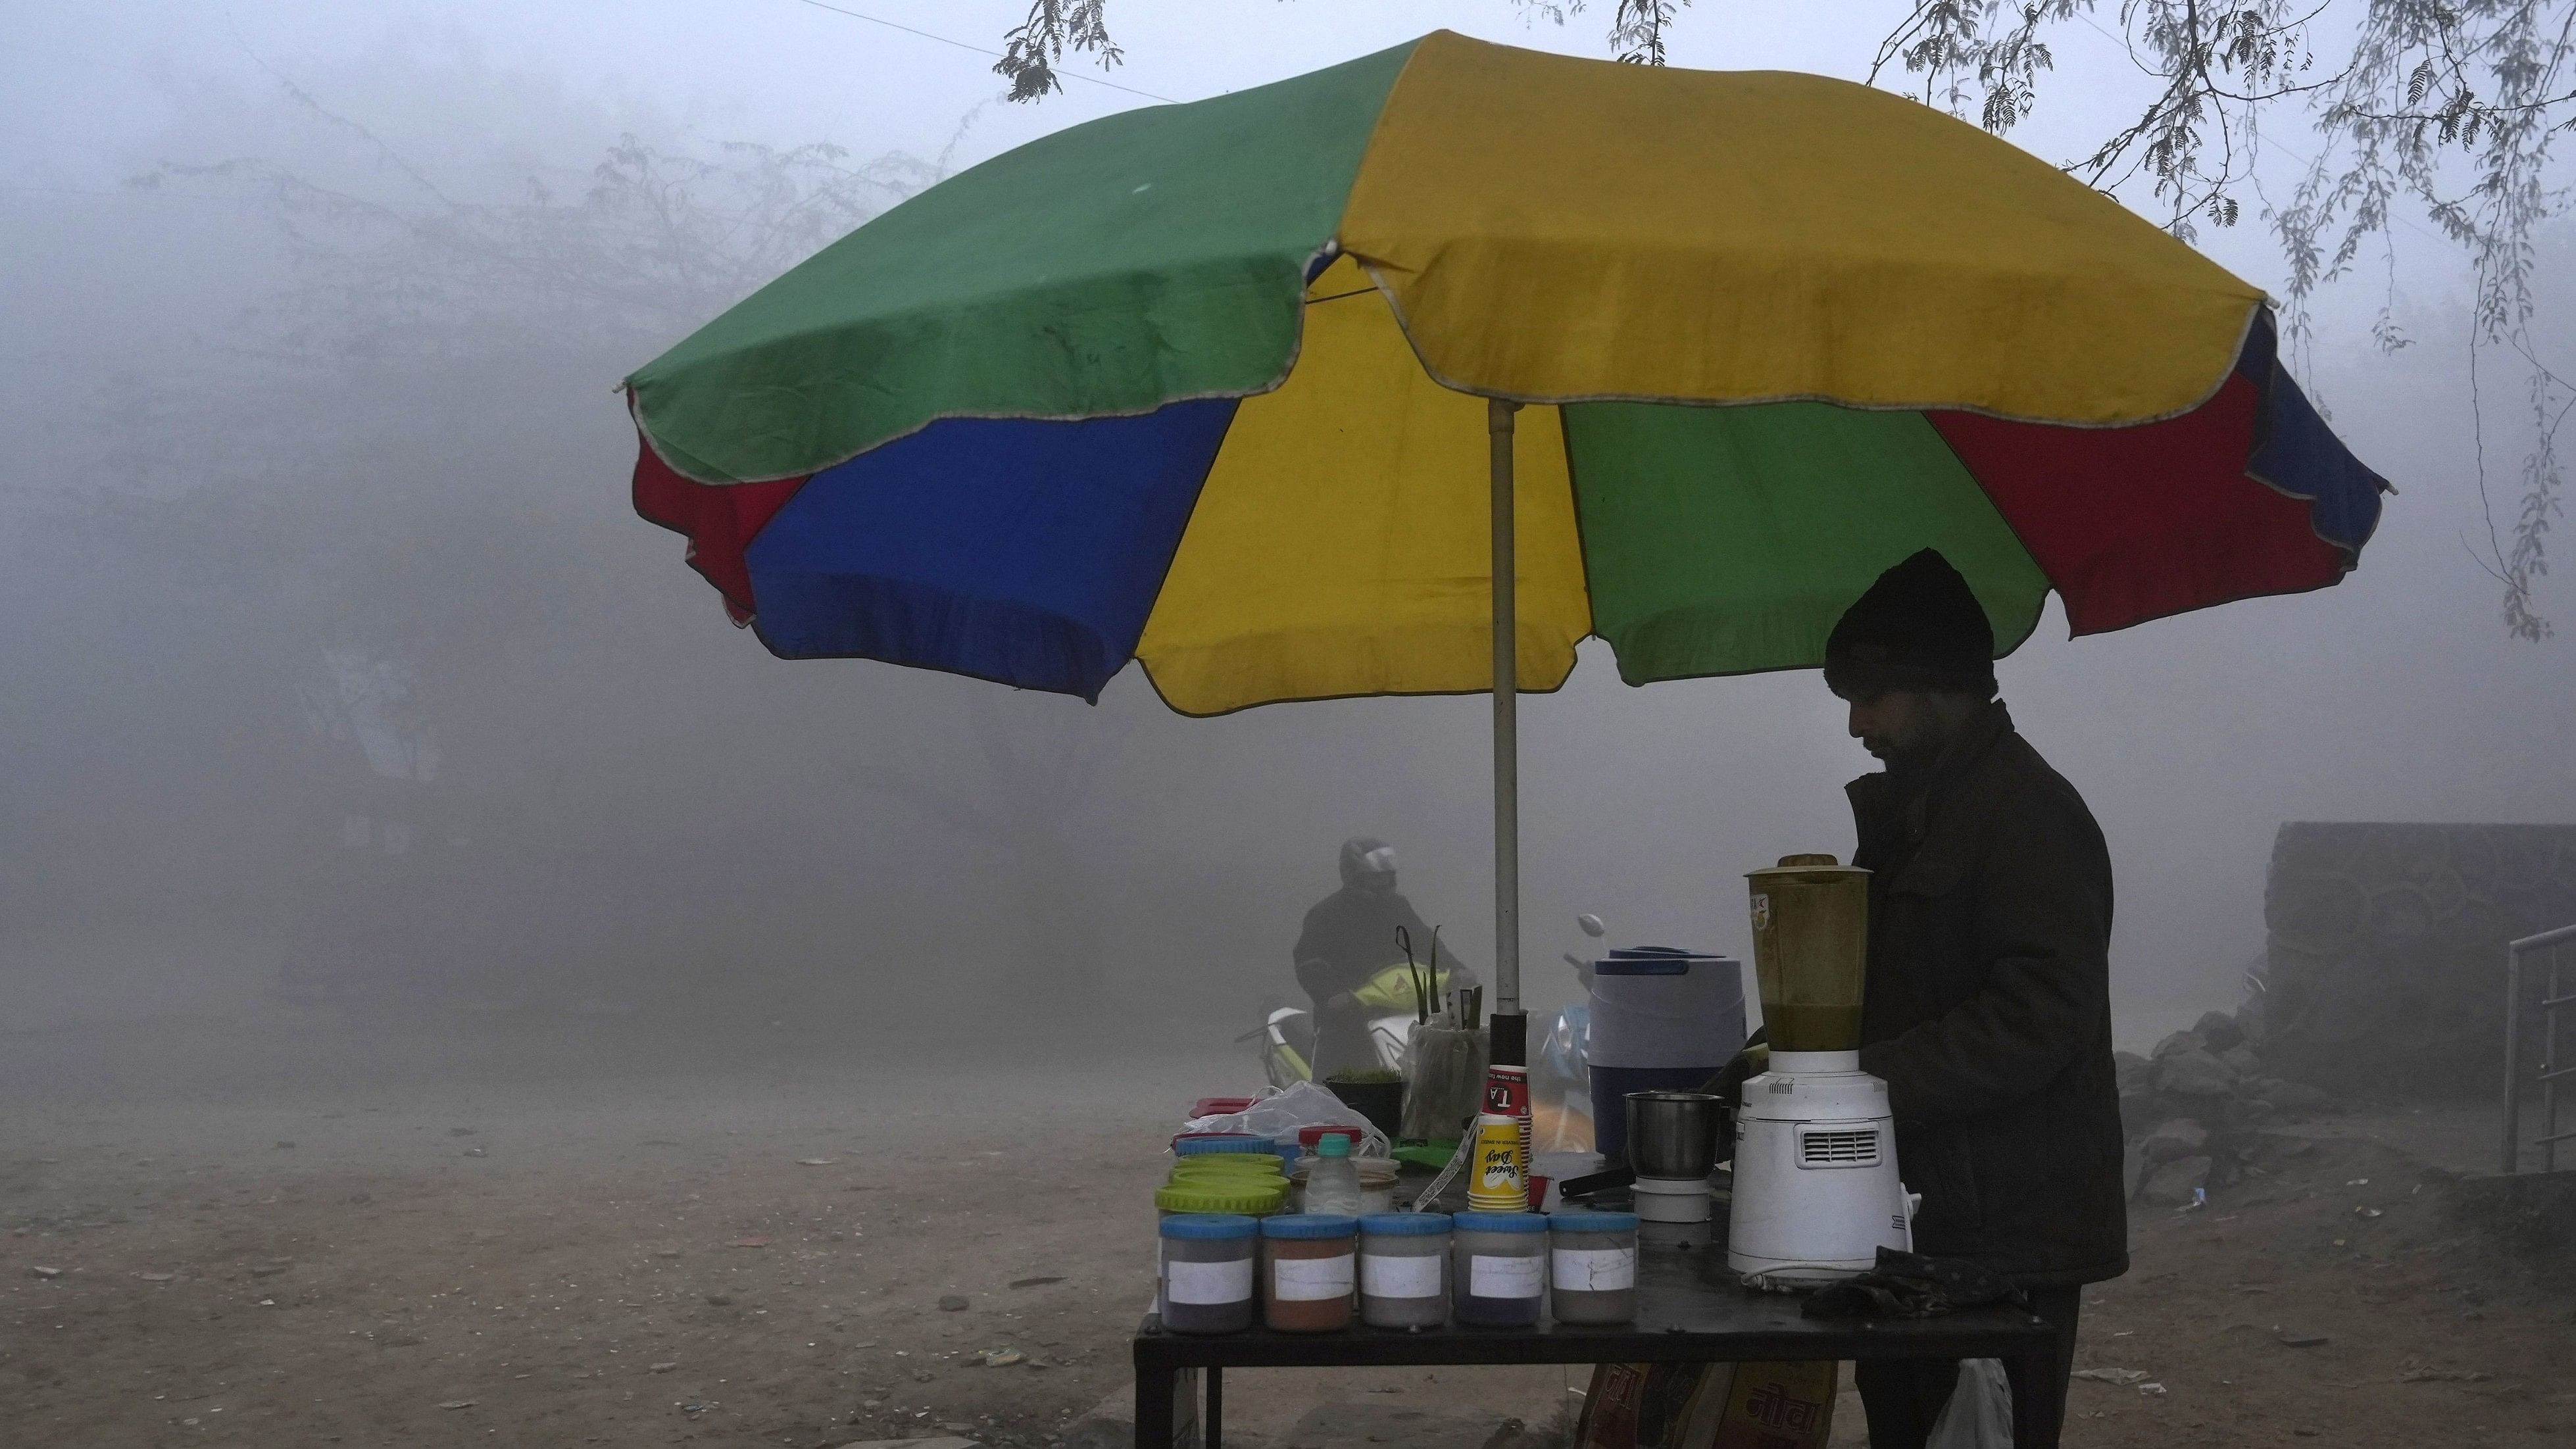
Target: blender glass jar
[(1811, 951)]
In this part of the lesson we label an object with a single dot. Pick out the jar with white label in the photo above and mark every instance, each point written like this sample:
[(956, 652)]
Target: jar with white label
[(1206, 1280), (1497, 1268), (1309, 1271), (1404, 1270), (1592, 1267)]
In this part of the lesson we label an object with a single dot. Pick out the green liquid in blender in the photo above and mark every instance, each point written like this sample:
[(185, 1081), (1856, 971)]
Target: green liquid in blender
[(1802, 1027)]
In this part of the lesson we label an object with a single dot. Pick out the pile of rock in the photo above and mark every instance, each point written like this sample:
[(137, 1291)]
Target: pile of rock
[(2191, 1108)]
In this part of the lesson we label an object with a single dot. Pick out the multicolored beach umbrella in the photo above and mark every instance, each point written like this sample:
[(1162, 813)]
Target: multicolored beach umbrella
[(1207, 386), (1202, 385)]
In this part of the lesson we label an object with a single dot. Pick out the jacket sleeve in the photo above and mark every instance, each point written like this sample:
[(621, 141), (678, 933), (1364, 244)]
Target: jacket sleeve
[(1303, 955), (2042, 918), (1317, 972)]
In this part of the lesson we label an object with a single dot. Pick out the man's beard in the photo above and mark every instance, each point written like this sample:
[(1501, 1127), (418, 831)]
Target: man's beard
[(1900, 761), (1891, 754)]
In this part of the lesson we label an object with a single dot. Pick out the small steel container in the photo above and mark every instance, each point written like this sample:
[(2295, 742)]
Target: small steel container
[(1673, 1135)]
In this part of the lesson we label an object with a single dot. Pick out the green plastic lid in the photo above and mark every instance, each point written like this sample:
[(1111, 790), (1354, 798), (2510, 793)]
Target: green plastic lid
[(1335, 1145), (1235, 1186), (1221, 1198), (1191, 1172)]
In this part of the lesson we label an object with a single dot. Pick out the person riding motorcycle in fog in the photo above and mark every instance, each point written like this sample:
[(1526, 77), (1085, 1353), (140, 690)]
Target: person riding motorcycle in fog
[(1350, 937)]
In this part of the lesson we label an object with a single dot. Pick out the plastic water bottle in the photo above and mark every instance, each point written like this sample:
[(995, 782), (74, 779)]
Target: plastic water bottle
[(1333, 1183)]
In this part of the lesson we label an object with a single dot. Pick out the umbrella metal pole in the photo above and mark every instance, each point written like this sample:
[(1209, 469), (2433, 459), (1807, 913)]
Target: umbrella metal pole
[(1507, 813)]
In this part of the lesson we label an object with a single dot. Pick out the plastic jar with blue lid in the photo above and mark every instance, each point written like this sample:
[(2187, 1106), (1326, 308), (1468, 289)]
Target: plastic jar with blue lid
[(1205, 1285), (1592, 1267), (1404, 1270), (1497, 1268), (1214, 1145), (1310, 1271)]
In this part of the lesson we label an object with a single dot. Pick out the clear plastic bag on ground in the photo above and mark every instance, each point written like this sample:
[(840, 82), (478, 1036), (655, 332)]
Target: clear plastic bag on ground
[(1979, 1414), (1279, 1113)]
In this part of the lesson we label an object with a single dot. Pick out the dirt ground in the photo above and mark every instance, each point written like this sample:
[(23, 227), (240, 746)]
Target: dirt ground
[(592, 1235)]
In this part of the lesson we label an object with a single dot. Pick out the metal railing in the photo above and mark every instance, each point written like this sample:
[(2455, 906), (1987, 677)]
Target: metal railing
[(2553, 1063)]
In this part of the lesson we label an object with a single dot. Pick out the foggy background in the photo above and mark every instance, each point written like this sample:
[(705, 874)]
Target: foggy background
[(337, 667)]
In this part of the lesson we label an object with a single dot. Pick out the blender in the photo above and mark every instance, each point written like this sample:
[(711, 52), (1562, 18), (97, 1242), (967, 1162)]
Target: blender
[(1816, 1187)]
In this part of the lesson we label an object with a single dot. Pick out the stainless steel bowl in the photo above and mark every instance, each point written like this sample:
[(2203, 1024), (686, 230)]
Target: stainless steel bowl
[(1674, 1134)]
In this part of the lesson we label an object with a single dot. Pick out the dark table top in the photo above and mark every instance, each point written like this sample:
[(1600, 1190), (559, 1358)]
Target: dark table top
[(1690, 1308)]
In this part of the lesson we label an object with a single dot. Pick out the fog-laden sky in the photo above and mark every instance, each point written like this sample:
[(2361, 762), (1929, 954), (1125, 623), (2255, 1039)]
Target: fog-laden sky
[(850, 825)]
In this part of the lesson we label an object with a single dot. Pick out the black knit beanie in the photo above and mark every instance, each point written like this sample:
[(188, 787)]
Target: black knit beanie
[(1918, 627)]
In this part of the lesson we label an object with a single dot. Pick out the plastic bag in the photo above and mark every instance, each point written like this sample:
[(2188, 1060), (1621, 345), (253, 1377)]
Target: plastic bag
[(1979, 1414), (1281, 1112), (1564, 1057), (1444, 1082)]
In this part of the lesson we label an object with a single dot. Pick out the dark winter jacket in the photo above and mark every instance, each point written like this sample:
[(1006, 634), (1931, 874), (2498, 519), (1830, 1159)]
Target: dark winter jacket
[(1987, 1008), (1349, 936)]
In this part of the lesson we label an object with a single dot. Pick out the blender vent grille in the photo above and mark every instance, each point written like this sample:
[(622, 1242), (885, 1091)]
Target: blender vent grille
[(1838, 1147)]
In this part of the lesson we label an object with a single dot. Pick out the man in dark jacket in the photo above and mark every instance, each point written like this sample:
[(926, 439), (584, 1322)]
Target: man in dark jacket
[(1987, 1008), (1349, 937)]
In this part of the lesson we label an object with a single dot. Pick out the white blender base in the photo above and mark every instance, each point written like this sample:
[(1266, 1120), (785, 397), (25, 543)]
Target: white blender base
[(1782, 1276), (1672, 1199), (1816, 1187)]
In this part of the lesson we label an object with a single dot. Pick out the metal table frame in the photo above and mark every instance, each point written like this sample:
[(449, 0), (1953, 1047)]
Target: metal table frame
[(1687, 1313)]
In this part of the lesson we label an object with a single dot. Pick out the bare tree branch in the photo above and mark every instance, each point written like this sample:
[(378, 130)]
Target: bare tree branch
[(1032, 48), (2425, 95)]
